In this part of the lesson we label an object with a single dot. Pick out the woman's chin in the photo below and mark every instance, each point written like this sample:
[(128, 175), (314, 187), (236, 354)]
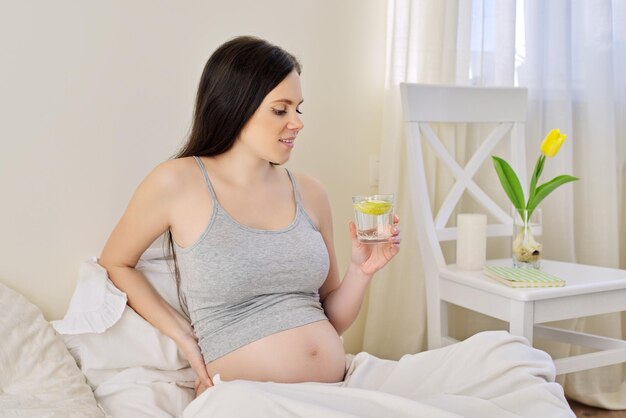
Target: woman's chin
[(279, 161)]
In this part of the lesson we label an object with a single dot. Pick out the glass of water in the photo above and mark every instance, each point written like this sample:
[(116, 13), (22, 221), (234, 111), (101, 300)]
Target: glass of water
[(373, 217)]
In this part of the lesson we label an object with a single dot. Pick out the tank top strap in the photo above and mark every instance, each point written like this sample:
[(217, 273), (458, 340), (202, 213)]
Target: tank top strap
[(296, 193), (206, 178)]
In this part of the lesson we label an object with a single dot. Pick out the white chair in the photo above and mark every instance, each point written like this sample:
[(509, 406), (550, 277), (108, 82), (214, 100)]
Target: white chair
[(589, 290)]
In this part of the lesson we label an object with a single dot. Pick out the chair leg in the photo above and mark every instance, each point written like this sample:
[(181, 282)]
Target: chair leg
[(435, 322), (522, 319), (443, 321)]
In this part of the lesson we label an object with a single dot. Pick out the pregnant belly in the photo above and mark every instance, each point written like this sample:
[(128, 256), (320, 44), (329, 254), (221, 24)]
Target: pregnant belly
[(310, 353)]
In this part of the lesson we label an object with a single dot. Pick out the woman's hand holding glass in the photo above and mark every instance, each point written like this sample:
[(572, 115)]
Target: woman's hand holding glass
[(370, 258)]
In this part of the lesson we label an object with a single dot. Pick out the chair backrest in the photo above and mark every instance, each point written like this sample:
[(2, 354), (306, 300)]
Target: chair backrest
[(423, 105)]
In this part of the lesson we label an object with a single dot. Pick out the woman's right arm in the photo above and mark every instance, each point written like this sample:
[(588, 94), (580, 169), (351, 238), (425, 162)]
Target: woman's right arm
[(147, 217)]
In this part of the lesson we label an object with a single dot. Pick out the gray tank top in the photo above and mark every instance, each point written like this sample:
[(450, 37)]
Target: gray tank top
[(242, 284)]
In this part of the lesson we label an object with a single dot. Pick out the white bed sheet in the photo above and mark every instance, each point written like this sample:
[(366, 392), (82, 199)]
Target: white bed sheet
[(138, 392)]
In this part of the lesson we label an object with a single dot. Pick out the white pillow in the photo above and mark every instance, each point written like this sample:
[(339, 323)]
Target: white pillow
[(103, 333), (133, 369), (96, 303), (38, 377)]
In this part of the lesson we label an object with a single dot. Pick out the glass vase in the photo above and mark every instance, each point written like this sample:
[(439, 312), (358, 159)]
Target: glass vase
[(527, 230)]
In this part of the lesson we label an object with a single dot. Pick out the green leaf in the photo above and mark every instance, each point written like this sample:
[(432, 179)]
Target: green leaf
[(547, 188), (536, 173), (509, 181)]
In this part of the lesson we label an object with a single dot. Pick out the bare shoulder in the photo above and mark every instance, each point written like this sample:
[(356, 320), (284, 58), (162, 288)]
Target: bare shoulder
[(171, 175), (314, 199), (149, 212), (310, 187)]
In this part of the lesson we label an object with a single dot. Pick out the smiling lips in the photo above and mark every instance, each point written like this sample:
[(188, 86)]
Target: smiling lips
[(288, 141)]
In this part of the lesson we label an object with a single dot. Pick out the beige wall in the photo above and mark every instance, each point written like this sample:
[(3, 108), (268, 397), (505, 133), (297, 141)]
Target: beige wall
[(94, 94)]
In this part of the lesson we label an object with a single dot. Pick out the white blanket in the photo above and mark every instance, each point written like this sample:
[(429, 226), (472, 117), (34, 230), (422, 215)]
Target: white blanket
[(136, 371), (38, 376), (491, 374)]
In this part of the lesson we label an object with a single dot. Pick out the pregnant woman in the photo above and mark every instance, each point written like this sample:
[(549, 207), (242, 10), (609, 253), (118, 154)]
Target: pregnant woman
[(253, 242)]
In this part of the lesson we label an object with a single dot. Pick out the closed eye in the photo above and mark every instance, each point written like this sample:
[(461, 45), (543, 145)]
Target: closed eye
[(281, 112)]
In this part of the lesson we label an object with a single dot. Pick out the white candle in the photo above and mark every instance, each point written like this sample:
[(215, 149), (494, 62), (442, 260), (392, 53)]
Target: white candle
[(471, 241)]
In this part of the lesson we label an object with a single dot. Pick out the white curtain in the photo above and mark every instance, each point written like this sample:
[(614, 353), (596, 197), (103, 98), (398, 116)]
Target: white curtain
[(573, 63), (571, 56)]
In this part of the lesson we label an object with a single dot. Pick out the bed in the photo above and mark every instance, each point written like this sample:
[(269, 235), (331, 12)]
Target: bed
[(102, 359)]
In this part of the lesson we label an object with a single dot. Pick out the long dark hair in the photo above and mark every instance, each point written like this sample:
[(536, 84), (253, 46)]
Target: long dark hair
[(234, 82)]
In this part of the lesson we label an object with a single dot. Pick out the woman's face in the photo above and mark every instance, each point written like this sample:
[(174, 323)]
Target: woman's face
[(271, 131)]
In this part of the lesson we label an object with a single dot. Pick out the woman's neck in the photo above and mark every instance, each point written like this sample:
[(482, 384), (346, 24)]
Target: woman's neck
[(241, 170)]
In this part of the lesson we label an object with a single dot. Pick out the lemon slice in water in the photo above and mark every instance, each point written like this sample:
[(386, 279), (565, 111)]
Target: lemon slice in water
[(373, 207)]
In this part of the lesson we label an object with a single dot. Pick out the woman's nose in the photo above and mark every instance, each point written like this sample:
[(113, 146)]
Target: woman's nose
[(295, 123)]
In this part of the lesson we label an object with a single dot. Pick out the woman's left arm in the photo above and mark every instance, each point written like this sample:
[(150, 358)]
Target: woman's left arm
[(342, 299)]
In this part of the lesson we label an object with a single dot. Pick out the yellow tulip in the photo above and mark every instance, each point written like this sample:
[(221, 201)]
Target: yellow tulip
[(552, 143)]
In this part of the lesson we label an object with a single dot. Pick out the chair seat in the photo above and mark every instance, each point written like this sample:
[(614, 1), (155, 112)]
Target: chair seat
[(580, 279), (589, 290)]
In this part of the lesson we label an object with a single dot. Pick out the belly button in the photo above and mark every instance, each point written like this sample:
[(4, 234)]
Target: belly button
[(314, 352)]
